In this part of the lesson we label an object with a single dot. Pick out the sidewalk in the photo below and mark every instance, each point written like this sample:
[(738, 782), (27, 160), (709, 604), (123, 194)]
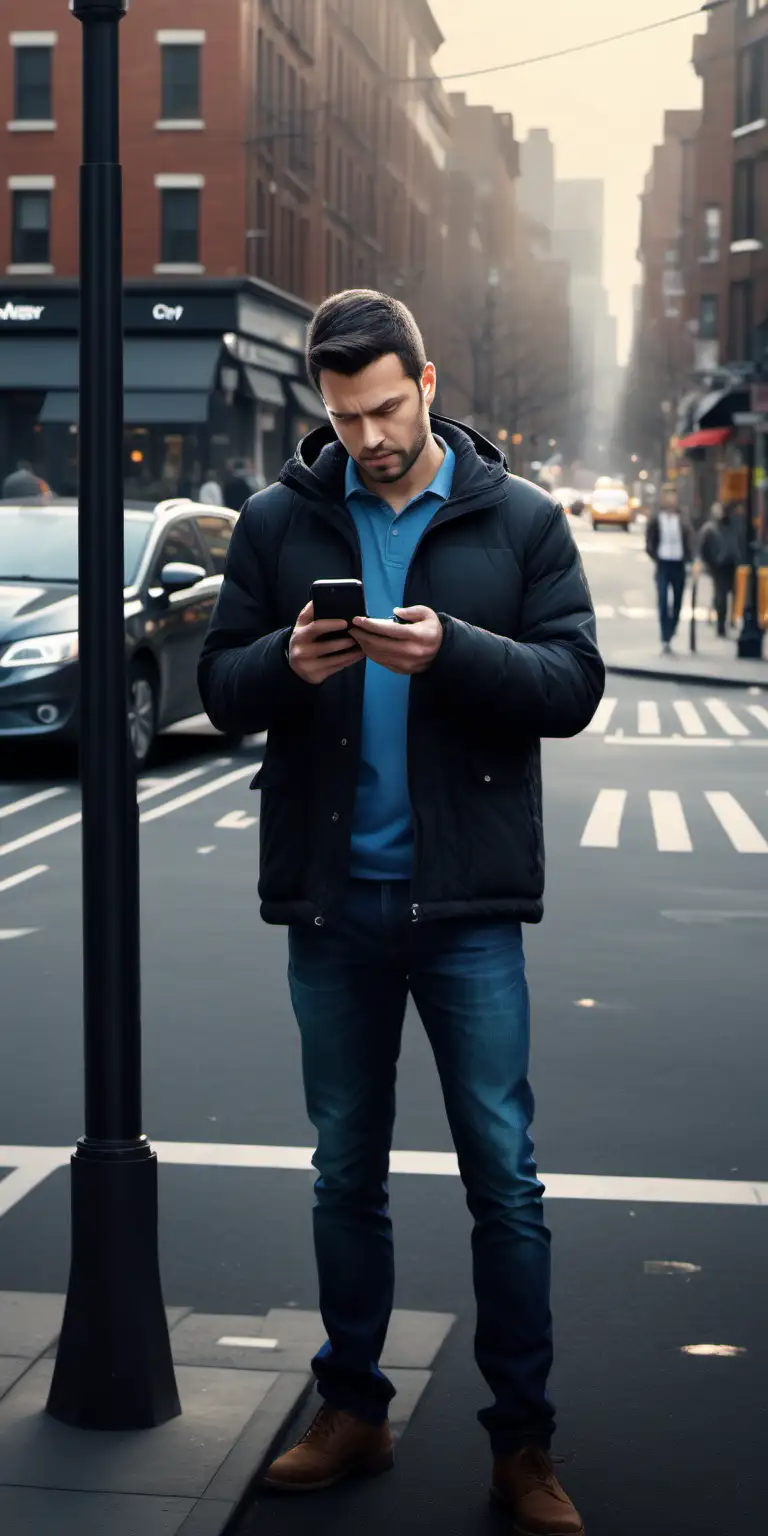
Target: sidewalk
[(241, 1380), (631, 647)]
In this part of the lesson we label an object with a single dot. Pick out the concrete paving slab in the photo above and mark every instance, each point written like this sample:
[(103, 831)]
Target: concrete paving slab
[(43, 1512), (410, 1387), (292, 1326), (260, 1439), (10, 1371), (210, 1517), (29, 1323), (175, 1315), (415, 1339), (180, 1458), (196, 1342)]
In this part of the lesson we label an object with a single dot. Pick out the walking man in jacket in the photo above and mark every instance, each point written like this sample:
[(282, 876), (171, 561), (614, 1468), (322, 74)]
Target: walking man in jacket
[(669, 542), (401, 841)]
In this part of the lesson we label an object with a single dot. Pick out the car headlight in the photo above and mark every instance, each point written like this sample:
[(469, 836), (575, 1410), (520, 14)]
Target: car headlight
[(41, 651)]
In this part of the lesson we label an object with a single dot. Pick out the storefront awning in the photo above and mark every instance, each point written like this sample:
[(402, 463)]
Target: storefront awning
[(714, 437), (143, 408), (308, 401), (38, 362), (718, 408), (265, 387), (171, 363)]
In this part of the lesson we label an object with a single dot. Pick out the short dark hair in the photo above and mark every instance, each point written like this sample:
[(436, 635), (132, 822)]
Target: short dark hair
[(353, 329)]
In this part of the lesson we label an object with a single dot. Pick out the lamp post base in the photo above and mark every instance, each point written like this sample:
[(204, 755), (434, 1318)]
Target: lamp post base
[(113, 1367)]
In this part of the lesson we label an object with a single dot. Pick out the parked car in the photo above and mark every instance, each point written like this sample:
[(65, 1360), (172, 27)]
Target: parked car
[(174, 563), (610, 508)]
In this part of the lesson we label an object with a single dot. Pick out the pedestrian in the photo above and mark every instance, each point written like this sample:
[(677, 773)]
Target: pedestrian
[(669, 542), (719, 552), (239, 485), (211, 494), (401, 840), (23, 482)]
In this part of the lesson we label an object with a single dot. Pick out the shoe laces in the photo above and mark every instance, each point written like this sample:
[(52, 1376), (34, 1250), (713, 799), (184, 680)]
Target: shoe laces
[(323, 1425), (537, 1462)]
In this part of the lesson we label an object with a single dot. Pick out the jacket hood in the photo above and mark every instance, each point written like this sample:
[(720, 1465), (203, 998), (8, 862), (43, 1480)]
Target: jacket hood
[(319, 465)]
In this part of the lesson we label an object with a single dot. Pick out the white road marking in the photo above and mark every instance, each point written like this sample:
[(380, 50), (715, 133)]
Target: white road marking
[(204, 851), (648, 718), (669, 824), (16, 933), (758, 713), (199, 794), (714, 917), (33, 1164), (604, 826), (604, 610), (50, 830), (29, 800), (618, 740), (689, 718), (725, 717), (237, 821), (233, 1342), (735, 822), (21, 879), (602, 718), (637, 613)]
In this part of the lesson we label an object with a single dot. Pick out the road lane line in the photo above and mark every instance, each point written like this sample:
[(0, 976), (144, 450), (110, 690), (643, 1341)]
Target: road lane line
[(759, 714), (198, 794), (689, 718), (669, 823), (735, 822), (52, 827), (16, 933), (725, 717), (31, 1165), (237, 821), (26, 874), (29, 800), (604, 826), (604, 611), (602, 717), (648, 718)]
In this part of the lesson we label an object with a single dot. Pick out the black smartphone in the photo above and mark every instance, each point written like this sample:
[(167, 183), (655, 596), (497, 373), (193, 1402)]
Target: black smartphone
[(343, 599)]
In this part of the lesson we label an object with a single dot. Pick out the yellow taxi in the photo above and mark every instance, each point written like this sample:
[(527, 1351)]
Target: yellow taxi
[(610, 506)]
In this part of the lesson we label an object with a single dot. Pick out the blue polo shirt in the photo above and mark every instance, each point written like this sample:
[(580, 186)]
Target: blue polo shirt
[(382, 827)]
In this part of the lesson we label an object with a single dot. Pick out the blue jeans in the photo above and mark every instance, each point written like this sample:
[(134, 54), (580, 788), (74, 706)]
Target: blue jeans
[(349, 983), (670, 582)]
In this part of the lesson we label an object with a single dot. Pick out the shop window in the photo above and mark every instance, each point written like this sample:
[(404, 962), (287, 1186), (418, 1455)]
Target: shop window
[(216, 533), (33, 84), (181, 226), (181, 81), (31, 228)]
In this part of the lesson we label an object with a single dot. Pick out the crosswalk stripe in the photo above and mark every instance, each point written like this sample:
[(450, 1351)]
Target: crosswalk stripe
[(735, 822), (725, 718), (689, 718), (22, 878), (66, 822), (760, 714), (669, 823), (27, 803), (603, 716), (603, 828), (648, 718)]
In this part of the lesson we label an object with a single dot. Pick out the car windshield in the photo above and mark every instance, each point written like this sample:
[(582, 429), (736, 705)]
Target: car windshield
[(40, 543), (610, 501)]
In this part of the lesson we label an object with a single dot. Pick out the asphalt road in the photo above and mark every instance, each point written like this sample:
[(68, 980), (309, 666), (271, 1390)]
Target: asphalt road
[(649, 1063)]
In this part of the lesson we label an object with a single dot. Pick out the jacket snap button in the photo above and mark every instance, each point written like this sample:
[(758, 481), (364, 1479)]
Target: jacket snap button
[(343, 741), (335, 816), (319, 922), (487, 778)]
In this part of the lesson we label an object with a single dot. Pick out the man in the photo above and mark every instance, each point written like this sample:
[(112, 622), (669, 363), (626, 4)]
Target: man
[(211, 493), (719, 552), (239, 484), (401, 840), (669, 542), (23, 482)]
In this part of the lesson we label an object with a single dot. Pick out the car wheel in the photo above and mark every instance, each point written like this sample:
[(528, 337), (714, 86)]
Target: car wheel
[(142, 712)]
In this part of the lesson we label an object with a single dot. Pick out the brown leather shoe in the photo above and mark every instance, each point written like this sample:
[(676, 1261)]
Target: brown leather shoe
[(336, 1445), (525, 1481)]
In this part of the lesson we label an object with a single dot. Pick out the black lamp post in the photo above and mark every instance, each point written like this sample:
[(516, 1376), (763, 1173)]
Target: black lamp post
[(113, 1368)]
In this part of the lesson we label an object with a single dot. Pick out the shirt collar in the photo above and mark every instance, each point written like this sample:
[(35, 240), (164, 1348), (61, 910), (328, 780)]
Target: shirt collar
[(440, 487)]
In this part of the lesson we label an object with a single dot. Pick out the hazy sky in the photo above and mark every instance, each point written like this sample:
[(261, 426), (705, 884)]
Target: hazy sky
[(603, 108)]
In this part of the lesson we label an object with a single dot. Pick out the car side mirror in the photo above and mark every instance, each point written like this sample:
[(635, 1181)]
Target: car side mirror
[(178, 576)]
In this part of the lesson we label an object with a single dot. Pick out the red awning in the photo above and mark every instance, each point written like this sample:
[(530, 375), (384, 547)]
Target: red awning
[(713, 437)]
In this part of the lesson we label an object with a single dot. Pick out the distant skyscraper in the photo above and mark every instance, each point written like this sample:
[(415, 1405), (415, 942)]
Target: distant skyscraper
[(578, 226), (536, 188)]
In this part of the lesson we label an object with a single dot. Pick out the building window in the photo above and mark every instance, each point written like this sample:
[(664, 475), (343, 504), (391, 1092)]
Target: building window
[(181, 82), (712, 233), (31, 229), (33, 85), (180, 226), (752, 7), (745, 220), (741, 322), (708, 317), (751, 93)]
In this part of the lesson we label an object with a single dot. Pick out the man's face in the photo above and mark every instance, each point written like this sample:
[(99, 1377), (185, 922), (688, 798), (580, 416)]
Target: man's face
[(669, 501), (380, 416)]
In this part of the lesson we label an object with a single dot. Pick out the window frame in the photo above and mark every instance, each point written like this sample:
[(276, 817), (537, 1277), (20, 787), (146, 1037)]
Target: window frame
[(167, 258), (17, 195), (22, 56), (192, 110)]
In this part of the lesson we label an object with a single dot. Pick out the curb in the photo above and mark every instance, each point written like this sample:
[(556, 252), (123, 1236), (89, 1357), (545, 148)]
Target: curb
[(706, 680)]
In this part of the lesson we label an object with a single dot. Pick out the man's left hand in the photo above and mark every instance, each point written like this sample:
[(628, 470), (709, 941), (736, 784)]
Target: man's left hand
[(407, 648)]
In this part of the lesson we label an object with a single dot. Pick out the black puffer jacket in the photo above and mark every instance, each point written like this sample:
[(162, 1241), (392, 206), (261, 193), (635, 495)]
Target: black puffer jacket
[(519, 661)]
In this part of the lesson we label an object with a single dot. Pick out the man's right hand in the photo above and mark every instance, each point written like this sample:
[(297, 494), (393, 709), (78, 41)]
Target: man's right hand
[(317, 651)]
